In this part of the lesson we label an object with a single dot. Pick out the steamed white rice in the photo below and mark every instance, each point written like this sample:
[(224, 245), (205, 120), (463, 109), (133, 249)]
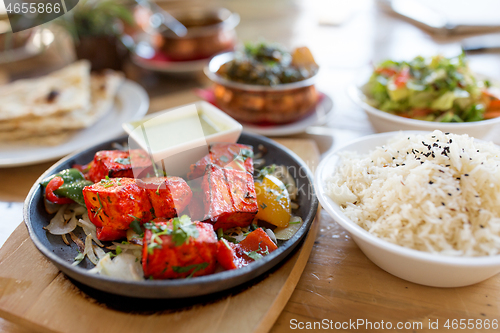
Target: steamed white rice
[(437, 192)]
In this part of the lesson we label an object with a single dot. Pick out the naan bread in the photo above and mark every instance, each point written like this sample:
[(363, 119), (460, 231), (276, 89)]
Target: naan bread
[(103, 88), (49, 139), (65, 90)]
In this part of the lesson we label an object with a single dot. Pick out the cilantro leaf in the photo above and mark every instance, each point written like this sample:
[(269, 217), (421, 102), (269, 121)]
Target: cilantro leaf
[(136, 225), (124, 161), (185, 269)]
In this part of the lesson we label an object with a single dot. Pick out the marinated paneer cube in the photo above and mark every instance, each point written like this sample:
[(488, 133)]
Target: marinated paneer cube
[(229, 197), (117, 163), (169, 196), (115, 203), (178, 248), (229, 155)]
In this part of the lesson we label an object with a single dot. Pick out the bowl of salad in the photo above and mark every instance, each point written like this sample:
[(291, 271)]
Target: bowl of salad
[(427, 94), (264, 83)]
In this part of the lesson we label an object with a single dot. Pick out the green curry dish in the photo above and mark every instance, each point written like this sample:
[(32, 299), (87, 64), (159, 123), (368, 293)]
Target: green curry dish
[(434, 89), (267, 64)]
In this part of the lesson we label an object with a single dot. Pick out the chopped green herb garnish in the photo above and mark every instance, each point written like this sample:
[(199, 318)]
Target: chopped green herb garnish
[(263, 205), (136, 225), (185, 269), (246, 153), (100, 205), (229, 238), (220, 233), (158, 189), (295, 222), (224, 159), (268, 170), (254, 255), (79, 258), (182, 230), (124, 161)]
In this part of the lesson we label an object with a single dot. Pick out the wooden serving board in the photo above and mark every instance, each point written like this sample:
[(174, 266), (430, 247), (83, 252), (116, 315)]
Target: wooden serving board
[(36, 296)]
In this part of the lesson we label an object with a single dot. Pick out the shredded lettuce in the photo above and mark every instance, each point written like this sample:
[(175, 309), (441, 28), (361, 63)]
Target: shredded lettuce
[(437, 89)]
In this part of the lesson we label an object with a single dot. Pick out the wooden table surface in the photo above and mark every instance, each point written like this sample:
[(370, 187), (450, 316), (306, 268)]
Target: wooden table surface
[(339, 283)]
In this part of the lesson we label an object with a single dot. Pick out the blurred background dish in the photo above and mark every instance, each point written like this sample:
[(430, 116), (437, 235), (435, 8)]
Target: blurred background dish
[(145, 56), (318, 117), (97, 29), (387, 122), (23, 44), (210, 30), (255, 89), (131, 103)]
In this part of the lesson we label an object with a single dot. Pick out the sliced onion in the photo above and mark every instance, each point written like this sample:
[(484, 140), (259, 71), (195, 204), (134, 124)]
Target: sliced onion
[(65, 240), (133, 249), (287, 233), (98, 251), (271, 235), (79, 210), (89, 250), (78, 242), (59, 225), (89, 228), (134, 238), (124, 246), (124, 267), (50, 207)]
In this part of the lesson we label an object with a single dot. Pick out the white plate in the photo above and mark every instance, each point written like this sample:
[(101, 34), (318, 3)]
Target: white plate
[(179, 67), (132, 103), (318, 117)]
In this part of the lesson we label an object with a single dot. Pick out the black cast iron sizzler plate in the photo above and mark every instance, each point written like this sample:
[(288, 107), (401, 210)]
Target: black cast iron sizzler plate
[(63, 255)]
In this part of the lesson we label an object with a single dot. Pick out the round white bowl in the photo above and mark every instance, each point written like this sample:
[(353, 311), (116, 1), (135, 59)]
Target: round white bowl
[(387, 122), (412, 265)]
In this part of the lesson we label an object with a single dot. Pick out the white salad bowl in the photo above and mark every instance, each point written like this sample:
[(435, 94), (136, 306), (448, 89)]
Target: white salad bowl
[(387, 122), (412, 265)]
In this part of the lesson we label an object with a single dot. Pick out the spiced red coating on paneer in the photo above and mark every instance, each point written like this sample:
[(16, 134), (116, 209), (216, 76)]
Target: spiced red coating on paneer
[(229, 197), (117, 163), (169, 196), (224, 155), (113, 204), (168, 261)]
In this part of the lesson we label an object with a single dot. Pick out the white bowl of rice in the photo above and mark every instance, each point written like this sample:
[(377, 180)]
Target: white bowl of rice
[(423, 206)]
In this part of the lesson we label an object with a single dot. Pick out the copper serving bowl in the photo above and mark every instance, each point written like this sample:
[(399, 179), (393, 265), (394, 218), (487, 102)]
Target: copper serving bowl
[(283, 103), (209, 31)]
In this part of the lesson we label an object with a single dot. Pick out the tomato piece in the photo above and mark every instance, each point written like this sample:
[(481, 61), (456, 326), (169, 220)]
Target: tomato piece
[(402, 77), (257, 241), (53, 185), (256, 244), (226, 256), (385, 71)]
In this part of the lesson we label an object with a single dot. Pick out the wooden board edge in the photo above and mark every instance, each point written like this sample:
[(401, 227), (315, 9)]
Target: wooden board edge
[(287, 289)]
